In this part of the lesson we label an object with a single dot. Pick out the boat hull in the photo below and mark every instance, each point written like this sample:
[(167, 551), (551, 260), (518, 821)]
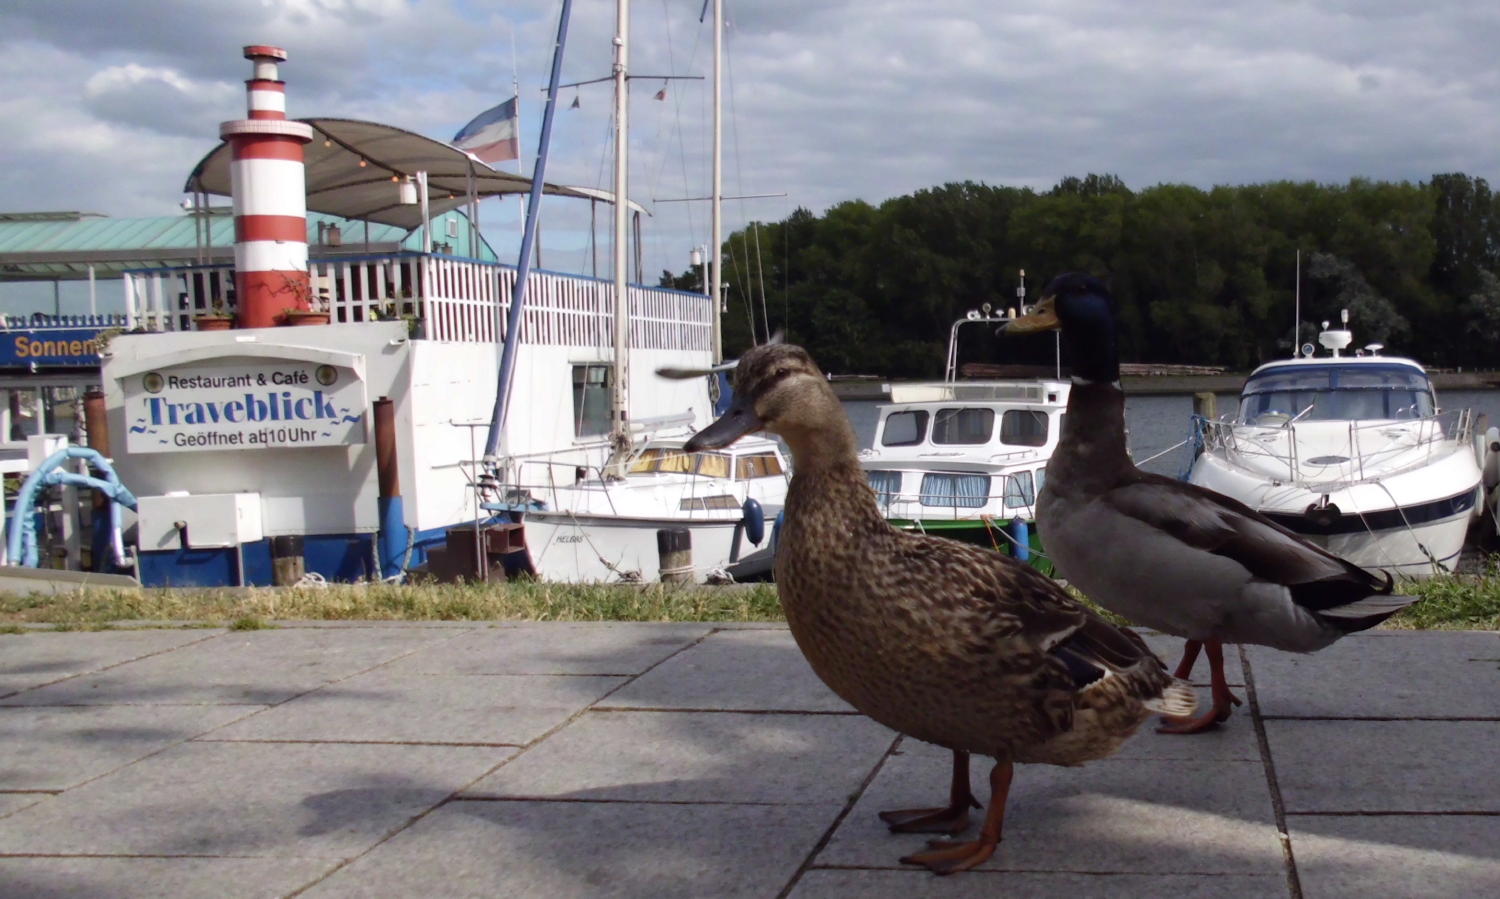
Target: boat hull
[(1413, 523), (995, 535), (582, 548)]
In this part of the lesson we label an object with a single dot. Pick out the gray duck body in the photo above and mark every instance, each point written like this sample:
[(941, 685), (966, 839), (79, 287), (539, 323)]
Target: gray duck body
[(1183, 560)]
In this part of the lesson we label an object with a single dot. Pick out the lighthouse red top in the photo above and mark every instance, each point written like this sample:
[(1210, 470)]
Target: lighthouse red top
[(261, 50)]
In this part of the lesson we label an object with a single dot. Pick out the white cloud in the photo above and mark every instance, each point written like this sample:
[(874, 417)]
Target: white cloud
[(110, 104)]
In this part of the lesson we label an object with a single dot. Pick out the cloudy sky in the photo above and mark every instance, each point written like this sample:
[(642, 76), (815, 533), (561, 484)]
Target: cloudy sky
[(109, 103)]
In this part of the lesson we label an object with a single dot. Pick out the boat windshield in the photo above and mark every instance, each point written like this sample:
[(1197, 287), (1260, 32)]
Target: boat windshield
[(1336, 393)]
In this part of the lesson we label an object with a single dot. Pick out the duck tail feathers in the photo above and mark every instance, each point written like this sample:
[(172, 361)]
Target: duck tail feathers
[(1177, 700), (1365, 613)]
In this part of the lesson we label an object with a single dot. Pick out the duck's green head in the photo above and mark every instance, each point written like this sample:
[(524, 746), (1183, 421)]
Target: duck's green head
[(777, 388), (1082, 307)]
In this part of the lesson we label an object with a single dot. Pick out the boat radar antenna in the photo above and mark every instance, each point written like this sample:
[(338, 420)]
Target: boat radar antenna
[(1337, 339)]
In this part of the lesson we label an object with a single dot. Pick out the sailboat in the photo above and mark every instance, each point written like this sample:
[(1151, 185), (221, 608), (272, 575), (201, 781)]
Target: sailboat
[(609, 522)]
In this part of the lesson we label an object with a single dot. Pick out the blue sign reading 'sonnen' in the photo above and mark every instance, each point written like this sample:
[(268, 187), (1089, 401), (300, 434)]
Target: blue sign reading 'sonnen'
[(50, 346)]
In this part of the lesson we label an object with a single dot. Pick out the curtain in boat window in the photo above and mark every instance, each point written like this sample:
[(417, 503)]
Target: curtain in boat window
[(1023, 427), (963, 427), (1019, 491), (713, 465), (962, 491), (886, 484)]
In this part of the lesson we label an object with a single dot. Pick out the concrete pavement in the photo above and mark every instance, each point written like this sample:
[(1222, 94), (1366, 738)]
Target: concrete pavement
[(551, 759)]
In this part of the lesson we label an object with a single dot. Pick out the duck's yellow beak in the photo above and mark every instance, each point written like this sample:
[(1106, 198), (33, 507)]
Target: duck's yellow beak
[(1040, 318)]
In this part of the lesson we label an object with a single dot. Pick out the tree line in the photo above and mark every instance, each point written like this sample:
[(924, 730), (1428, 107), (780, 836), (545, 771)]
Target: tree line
[(1201, 276)]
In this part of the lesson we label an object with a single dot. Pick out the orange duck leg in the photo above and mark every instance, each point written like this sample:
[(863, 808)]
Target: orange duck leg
[(1224, 699), (952, 819), (951, 856)]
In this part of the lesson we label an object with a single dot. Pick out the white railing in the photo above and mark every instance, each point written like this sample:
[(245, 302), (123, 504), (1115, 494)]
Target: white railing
[(1366, 450), (455, 299)]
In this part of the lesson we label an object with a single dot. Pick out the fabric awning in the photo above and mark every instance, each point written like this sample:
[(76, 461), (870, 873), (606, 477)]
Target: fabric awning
[(350, 166)]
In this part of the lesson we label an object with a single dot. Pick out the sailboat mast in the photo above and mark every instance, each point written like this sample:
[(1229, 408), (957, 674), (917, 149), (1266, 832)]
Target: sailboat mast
[(716, 254), (619, 393)]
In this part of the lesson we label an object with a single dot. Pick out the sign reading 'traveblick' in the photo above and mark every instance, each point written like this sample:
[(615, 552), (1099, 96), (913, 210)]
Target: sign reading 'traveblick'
[(243, 404)]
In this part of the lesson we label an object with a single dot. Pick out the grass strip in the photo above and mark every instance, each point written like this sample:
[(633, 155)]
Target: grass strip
[(1453, 602), (246, 608)]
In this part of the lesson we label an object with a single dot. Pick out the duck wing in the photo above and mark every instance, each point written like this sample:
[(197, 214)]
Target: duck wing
[(1203, 521), (1033, 610)]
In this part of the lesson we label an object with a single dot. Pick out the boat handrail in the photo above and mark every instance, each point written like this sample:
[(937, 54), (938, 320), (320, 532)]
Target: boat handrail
[(1280, 444)]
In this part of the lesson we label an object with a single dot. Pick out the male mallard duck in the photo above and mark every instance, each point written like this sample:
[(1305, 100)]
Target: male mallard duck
[(940, 640), (1171, 555)]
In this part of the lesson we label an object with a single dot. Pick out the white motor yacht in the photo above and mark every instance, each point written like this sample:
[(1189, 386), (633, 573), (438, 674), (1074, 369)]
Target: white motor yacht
[(1353, 453), (966, 459)]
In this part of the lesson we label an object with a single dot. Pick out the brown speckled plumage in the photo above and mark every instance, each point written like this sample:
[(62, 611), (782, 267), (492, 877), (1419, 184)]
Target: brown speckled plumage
[(943, 641)]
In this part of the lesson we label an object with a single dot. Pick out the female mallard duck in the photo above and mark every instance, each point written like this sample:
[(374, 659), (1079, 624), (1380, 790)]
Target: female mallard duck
[(939, 640), (1178, 558)]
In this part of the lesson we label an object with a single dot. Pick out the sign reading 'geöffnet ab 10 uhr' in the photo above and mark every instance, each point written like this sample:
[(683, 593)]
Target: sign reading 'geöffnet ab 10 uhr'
[(243, 404)]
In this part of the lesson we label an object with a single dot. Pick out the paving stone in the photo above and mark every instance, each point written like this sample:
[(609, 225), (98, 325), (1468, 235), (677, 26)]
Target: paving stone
[(1384, 675), (1111, 816), (382, 705), (697, 757), (588, 849), (53, 748), (1169, 649), (1375, 766), (148, 878), (816, 884), (239, 667), (1396, 855), (248, 799), (1234, 740), (743, 669), (14, 802), (555, 648), (345, 623), (32, 659)]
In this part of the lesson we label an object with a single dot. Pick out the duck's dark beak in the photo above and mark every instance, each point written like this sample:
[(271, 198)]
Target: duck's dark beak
[(1042, 317), (738, 421)]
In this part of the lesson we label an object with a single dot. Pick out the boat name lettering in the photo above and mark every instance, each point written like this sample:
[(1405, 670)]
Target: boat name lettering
[(575, 538), (273, 407)]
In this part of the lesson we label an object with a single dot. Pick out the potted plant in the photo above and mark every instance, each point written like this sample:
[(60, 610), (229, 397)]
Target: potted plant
[(306, 316), (315, 312), (308, 307), (216, 319)]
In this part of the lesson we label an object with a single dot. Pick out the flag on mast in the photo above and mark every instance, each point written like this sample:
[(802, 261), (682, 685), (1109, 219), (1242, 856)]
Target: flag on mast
[(493, 135)]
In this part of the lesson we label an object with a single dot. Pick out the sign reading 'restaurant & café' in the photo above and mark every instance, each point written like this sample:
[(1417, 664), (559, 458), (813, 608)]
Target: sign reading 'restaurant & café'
[(243, 404)]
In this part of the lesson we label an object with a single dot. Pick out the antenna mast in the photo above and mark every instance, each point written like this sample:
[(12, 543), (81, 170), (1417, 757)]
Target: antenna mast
[(1297, 310)]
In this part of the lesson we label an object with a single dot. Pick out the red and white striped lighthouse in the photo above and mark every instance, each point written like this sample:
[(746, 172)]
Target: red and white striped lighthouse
[(267, 179)]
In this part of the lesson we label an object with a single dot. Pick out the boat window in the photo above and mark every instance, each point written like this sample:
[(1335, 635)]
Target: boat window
[(1023, 427), (760, 465), (886, 484), (963, 426), (591, 386), (704, 503), (647, 462), (713, 465), (904, 428), (1336, 393), (1019, 491), (1041, 479), (963, 491)]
